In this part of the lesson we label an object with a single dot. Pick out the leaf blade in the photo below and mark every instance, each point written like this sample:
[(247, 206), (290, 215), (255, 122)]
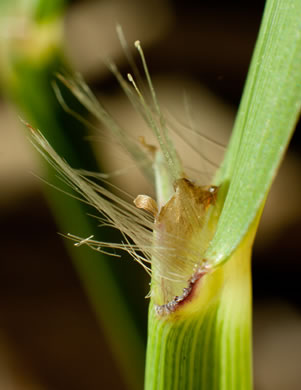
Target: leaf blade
[(265, 122)]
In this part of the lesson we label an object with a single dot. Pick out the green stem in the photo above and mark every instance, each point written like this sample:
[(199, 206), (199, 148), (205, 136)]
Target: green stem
[(206, 344)]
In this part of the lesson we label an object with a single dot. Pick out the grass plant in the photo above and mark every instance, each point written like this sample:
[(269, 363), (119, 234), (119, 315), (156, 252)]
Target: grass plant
[(194, 240)]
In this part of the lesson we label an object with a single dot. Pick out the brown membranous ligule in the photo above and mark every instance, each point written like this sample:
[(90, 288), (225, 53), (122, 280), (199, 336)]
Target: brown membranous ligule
[(205, 195), (182, 234)]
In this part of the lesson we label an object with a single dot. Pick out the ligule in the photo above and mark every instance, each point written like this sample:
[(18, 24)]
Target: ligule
[(169, 236), (182, 232)]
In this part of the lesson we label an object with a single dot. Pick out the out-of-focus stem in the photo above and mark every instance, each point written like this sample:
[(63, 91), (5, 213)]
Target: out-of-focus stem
[(29, 63)]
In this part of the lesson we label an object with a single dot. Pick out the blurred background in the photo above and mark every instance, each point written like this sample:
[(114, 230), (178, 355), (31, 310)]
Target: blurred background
[(50, 336)]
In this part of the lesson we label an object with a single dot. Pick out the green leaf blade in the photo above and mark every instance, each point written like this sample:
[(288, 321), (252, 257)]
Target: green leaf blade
[(266, 119)]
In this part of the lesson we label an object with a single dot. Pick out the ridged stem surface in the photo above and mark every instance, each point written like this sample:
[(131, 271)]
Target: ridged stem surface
[(207, 344)]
